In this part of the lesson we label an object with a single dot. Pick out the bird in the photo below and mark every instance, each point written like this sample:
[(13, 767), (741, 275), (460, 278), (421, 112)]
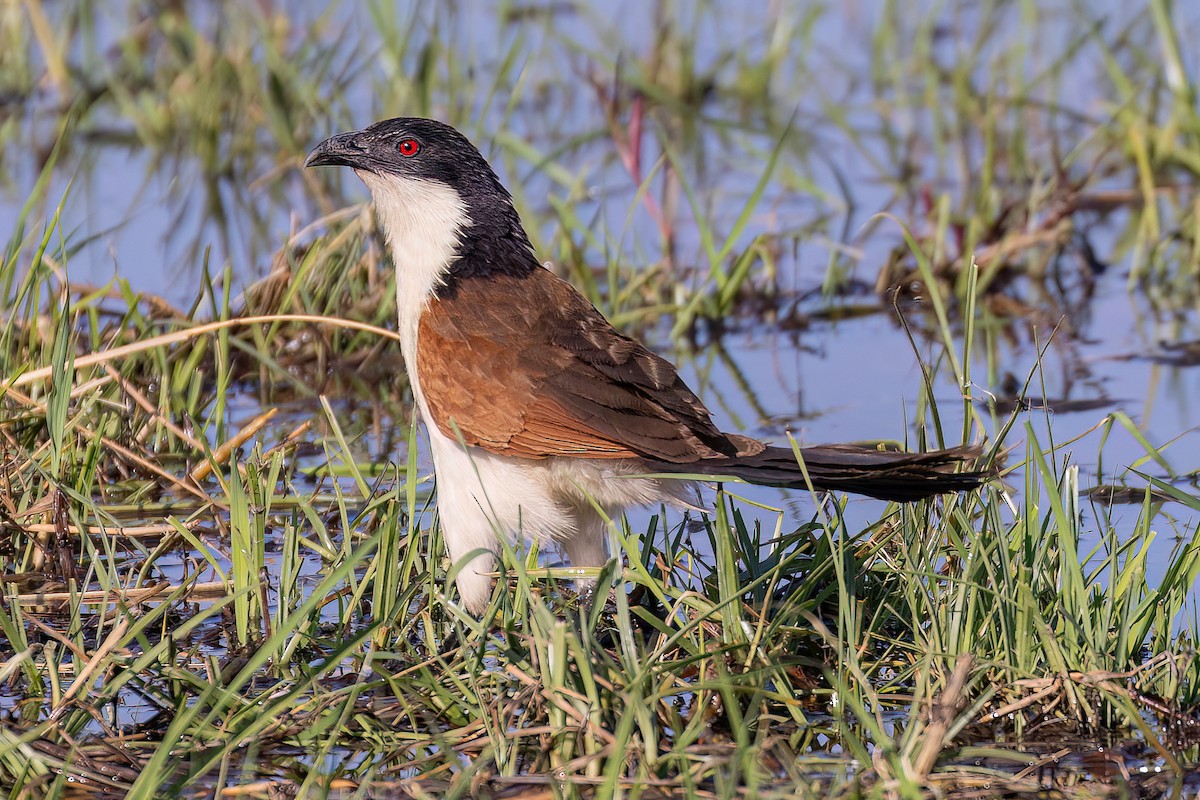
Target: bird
[(542, 418)]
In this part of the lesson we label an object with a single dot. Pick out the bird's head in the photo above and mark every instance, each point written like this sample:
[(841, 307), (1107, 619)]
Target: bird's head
[(407, 148), (424, 176)]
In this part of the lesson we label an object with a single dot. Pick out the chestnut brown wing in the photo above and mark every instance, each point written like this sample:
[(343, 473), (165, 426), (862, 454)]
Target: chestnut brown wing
[(525, 366)]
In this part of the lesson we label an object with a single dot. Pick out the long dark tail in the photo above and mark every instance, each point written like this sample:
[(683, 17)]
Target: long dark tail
[(885, 474)]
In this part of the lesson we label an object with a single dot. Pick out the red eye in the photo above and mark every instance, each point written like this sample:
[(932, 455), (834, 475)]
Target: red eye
[(409, 147)]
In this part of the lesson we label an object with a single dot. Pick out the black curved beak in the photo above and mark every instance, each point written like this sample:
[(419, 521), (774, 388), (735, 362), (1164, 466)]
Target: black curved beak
[(342, 150)]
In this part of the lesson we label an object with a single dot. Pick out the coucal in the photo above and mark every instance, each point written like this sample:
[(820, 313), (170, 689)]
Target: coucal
[(537, 409)]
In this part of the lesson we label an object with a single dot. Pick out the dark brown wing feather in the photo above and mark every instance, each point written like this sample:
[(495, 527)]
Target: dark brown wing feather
[(525, 366)]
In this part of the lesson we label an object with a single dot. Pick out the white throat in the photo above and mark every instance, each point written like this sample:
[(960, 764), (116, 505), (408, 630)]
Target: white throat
[(422, 221)]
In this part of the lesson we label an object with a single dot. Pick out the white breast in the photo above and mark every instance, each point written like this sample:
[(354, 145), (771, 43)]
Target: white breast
[(422, 221)]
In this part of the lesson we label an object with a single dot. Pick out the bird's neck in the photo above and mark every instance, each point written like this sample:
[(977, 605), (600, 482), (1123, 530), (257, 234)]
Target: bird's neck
[(495, 245), (423, 222)]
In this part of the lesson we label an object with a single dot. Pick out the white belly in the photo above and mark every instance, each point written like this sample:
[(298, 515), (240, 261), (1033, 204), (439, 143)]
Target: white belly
[(484, 499), (483, 496)]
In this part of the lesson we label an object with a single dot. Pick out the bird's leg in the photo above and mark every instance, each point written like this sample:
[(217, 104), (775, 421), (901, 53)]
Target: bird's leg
[(471, 543), (474, 580), (586, 545)]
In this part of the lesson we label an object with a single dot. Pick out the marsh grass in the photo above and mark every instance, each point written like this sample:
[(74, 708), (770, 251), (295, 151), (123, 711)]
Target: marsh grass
[(200, 598), (724, 651)]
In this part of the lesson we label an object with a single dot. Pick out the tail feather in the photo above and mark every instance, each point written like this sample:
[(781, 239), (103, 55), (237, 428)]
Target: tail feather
[(883, 474)]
